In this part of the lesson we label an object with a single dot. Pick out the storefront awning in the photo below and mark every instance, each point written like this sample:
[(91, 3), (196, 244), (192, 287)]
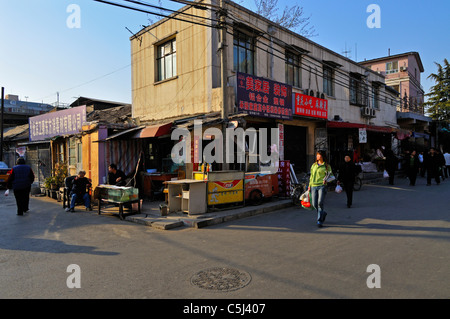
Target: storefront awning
[(154, 131), (117, 135), (374, 128)]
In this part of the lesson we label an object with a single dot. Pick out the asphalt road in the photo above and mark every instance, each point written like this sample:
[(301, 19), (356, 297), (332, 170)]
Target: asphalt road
[(404, 230)]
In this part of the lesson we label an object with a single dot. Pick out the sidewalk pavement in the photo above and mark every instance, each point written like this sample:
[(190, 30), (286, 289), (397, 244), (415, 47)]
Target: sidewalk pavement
[(151, 216)]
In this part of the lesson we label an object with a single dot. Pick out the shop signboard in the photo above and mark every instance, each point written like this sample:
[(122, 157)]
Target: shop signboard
[(52, 124), (310, 106), (264, 98), (362, 135)]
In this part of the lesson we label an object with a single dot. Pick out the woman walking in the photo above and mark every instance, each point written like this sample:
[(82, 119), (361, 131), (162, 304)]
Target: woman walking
[(320, 170)]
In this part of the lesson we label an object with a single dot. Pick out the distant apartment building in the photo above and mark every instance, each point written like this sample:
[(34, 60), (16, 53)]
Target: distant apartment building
[(17, 112), (402, 72)]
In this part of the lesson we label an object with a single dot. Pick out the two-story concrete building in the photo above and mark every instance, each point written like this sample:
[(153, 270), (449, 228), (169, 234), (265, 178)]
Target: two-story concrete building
[(324, 99)]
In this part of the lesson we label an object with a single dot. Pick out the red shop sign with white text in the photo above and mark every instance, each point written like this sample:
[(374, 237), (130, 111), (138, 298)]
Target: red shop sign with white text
[(310, 106)]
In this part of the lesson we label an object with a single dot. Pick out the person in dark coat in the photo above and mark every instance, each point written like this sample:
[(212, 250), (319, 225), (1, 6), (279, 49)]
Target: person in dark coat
[(347, 174), (391, 165), (431, 164), (116, 176), (412, 167), (20, 181), (79, 190)]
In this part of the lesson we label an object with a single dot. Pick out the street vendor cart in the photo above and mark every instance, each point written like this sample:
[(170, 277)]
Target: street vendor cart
[(223, 187)]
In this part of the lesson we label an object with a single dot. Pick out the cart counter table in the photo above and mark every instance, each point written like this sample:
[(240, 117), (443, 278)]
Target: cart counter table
[(117, 195), (188, 196)]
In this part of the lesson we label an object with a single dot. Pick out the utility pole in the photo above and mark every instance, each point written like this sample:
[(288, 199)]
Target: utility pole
[(223, 47), (1, 120)]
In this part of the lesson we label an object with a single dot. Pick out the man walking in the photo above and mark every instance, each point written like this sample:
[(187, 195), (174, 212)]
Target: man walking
[(432, 166), (20, 181)]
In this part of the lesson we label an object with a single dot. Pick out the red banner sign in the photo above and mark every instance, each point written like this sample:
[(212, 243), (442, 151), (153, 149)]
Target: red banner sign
[(310, 106)]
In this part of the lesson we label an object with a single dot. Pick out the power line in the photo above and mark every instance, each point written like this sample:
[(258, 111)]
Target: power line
[(155, 13), (303, 66), (90, 81)]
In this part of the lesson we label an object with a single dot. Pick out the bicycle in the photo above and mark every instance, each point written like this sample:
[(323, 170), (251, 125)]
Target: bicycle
[(299, 188)]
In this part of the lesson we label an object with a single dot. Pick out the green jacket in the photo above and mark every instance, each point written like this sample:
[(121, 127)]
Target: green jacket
[(318, 173)]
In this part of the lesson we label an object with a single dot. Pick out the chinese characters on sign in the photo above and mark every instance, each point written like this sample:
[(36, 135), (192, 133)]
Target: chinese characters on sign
[(265, 98), (310, 106), (64, 122)]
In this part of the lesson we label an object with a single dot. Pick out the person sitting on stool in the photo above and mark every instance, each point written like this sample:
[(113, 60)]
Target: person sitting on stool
[(79, 186)]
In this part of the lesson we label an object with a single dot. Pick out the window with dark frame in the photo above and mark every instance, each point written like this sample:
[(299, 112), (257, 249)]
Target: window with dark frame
[(166, 60), (358, 90), (375, 96), (292, 67), (328, 85), (243, 53)]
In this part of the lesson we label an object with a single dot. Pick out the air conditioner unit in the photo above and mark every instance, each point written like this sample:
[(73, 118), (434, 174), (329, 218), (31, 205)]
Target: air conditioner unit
[(365, 111), (403, 68), (372, 112)]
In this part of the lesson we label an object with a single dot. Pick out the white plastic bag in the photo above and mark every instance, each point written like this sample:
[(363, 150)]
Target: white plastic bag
[(338, 189), (7, 192), (305, 197), (385, 174)]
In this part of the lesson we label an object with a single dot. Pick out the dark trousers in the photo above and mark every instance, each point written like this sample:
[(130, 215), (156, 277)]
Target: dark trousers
[(412, 175), (22, 199), (433, 173), (391, 177), (348, 187)]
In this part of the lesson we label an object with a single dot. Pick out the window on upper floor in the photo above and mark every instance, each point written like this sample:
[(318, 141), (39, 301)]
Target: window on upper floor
[(392, 67), (292, 69), (166, 60), (243, 53), (328, 81), (375, 96), (358, 90)]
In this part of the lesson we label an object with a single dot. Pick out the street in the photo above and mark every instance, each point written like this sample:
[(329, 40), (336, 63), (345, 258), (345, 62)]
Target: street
[(403, 230)]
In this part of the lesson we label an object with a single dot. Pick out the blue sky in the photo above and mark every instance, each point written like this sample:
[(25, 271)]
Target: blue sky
[(40, 55)]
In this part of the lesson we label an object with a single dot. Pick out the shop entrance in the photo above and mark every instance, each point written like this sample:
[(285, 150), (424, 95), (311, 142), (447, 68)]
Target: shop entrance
[(295, 147)]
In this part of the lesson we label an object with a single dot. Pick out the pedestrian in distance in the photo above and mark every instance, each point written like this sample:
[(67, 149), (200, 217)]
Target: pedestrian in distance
[(320, 172), (447, 164), (421, 167), (79, 191), (431, 163), (391, 165), (20, 181), (441, 164), (412, 167), (346, 176)]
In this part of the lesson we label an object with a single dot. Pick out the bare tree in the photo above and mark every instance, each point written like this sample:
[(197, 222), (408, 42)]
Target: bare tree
[(292, 18)]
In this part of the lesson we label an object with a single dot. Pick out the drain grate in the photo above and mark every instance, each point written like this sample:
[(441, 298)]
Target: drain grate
[(221, 279)]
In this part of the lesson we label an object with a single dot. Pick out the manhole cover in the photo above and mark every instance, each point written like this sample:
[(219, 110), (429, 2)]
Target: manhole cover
[(221, 279)]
